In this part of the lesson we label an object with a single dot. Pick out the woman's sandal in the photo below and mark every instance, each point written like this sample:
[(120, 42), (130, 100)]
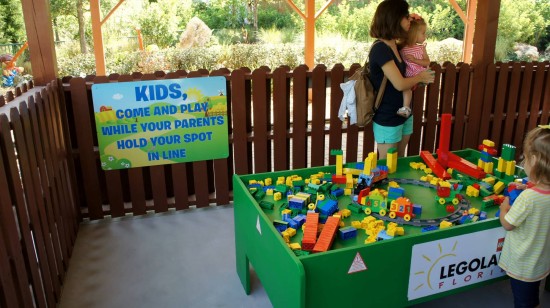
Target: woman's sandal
[(404, 112)]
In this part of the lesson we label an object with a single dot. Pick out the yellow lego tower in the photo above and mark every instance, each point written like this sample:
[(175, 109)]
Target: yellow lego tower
[(391, 160)]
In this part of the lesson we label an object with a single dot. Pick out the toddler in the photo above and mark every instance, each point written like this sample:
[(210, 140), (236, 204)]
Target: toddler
[(526, 253), (413, 52)]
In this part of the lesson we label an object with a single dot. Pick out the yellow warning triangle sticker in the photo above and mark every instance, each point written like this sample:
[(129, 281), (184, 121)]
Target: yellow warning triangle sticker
[(358, 265)]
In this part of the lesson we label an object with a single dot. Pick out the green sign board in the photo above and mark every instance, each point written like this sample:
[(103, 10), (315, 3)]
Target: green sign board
[(148, 123)]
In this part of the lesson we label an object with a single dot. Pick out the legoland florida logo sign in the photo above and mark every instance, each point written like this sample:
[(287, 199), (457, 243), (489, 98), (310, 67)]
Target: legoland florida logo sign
[(159, 122), (455, 262)]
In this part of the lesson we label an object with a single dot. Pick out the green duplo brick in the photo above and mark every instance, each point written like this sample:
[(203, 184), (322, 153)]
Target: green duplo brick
[(508, 152)]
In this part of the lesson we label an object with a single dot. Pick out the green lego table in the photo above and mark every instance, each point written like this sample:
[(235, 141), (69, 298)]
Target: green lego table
[(405, 270)]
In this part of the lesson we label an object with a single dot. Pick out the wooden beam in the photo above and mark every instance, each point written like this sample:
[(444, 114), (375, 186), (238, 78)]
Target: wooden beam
[(38, 25), (111, 11), (99, 53), (459, 10)]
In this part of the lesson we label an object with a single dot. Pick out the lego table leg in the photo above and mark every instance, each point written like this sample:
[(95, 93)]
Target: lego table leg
[(243, 268)]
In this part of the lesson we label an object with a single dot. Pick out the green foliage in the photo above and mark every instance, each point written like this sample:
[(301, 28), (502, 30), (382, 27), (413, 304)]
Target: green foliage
[(270, 17), (349, 20), (219, 14), (78, 65), (443, 22), (160, 25), (11, 22)]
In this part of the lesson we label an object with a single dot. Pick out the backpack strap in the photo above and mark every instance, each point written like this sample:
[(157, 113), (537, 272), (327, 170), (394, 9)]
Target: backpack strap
[(380, 93), (382, 88)]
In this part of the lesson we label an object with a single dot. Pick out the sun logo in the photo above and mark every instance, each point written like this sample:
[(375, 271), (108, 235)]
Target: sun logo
[(434, 261)]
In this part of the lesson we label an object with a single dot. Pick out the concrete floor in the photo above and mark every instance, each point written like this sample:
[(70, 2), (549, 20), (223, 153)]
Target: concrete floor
[(187, 259)]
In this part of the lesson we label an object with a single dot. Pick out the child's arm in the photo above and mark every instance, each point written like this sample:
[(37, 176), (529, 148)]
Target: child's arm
[(504, 208), (425, 61)]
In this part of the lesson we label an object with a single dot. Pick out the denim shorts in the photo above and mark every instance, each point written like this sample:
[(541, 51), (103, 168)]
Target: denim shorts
[(526, 294), (392, 134)]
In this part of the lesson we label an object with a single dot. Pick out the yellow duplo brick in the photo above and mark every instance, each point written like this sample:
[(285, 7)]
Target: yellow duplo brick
[(307, 181), (473, 211), (367, 164), (356, 224), (291, 232), (269, 192), (429, 177), (390, 232), (364, 225), (280, 182), (286, 237), (369, 219), (510, 167), (370, 240), (277, 196), (393, 184), (428, 170), (392, 225), (316, 181), (346, 213), (488, 168), (471, 191), (445, 184), (413, 165), (480, 164), (286, 211), (295, 246), (489, 143), (400, 231), (347, 191), (499, 187), (434, 181), (490, 180), (252, 182), (339, 163), (342, 224), (268, 181), (450, 170), (445, 224), (424, 178), (501, 164)]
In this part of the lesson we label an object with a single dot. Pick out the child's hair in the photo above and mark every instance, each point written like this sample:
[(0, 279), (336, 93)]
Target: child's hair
[(386, 23), (537, 146), (416, 26)]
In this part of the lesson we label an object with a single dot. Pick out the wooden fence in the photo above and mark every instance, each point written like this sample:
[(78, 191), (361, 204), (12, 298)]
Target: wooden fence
[(272, 126), (51, 177), (38, 214)]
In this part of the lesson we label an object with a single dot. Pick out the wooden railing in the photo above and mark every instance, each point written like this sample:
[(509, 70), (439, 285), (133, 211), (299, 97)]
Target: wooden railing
[(51, 177), (38, 210)]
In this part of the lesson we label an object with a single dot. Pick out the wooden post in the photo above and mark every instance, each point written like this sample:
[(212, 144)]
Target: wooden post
[(38, 25), (140, 39), (309, 48), (484, 40)]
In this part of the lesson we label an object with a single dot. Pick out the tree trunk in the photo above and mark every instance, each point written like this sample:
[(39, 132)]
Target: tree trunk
[(81, 30), (255, 12)]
